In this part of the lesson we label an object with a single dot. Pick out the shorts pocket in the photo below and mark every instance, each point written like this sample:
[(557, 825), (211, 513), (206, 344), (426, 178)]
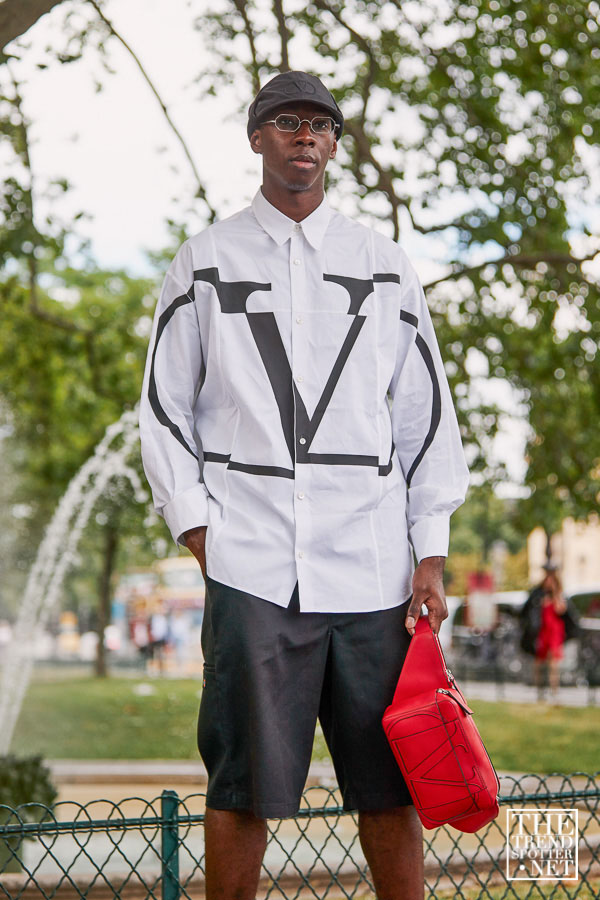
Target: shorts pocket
[(210, 734), (208, 672)]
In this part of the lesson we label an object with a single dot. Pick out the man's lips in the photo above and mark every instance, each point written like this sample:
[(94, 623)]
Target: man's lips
[(303, 162)]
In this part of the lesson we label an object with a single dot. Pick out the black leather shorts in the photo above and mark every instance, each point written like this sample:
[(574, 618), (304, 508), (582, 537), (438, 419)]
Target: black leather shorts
[(269, 673)]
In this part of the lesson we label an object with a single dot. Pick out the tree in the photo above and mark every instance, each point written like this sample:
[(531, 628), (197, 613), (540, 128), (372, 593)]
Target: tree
[(68, 369), (64, 396), (471, 123)]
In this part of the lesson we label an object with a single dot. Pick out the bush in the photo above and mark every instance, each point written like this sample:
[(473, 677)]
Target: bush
[(24, 780)]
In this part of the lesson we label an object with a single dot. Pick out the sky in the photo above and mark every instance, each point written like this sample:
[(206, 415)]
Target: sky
[(108, 143), (127, 167)]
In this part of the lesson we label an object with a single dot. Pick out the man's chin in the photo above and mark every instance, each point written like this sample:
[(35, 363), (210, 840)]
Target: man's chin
[(298, 187)]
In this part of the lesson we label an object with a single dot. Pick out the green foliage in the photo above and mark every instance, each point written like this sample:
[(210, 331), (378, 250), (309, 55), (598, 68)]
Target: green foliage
[(63, 387), (26, 780), (25, 783), (482, 520)]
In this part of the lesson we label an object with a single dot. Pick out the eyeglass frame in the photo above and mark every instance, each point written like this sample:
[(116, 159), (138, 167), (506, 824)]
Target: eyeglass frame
[(300, 123)]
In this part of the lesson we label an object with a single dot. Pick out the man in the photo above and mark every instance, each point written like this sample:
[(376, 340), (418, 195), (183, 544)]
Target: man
[(274, 455)]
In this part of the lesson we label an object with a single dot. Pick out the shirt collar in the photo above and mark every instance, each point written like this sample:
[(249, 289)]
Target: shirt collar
[(280, 227)]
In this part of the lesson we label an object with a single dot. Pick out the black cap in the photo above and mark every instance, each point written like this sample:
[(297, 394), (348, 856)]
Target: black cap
[(292, 87)]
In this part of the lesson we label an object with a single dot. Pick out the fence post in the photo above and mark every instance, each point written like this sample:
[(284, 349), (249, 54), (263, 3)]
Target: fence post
[(169, 808)]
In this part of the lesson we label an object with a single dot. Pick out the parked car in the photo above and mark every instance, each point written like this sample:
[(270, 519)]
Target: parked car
[(587, 604), (498, 647)]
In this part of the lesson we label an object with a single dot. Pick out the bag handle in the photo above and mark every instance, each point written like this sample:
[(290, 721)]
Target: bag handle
[(424, 667)]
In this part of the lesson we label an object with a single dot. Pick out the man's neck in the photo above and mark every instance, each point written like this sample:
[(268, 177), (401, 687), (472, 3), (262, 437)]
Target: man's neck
[(296, 205)]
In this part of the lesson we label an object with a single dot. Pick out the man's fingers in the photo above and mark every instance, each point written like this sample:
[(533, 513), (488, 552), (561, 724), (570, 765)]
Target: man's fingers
[(435, 621), (414, 611), (437, 613)]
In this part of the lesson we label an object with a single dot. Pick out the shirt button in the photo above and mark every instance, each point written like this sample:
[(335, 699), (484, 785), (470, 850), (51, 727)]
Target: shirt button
[(297, 227), (296, 262), (300, 495), (299, 378), (300, 554), (299, 320), (302, 440)]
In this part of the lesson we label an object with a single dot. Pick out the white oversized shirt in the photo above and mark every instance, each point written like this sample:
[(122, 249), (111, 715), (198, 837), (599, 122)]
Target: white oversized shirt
[(295, 401)]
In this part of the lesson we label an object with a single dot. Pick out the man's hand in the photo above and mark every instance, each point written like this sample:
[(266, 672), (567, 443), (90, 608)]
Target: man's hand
[(428, 589), (195, 540)]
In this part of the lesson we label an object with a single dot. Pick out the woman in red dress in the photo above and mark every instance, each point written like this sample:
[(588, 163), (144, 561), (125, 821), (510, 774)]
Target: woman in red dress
[(551, 636)]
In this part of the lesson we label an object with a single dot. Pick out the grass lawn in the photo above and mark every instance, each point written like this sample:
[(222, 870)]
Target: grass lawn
[(87, 718), (91, 718), (526, 737)]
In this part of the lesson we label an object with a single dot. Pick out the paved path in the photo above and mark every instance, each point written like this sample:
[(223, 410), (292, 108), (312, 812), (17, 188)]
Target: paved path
[(153, 772), (87, 780)]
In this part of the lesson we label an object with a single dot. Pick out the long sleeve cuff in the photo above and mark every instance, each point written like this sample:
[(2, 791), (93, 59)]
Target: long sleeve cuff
[(185, 511), (430, 536)]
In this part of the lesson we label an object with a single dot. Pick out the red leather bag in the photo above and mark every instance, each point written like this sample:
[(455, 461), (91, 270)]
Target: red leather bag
[(435, 741)]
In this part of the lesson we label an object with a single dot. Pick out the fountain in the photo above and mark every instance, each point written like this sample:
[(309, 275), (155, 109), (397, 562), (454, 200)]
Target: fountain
[(56, 554)]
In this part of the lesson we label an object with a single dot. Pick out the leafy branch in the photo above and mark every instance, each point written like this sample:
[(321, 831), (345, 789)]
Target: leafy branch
[(520, 260)]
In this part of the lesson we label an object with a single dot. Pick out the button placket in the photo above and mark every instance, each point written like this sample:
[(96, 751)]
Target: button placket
[(299, 372)]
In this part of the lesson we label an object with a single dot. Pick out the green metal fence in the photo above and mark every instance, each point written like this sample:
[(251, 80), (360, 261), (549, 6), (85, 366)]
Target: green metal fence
[(154, 848)]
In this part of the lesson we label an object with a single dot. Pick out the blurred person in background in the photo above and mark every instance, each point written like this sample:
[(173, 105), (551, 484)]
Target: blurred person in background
[(159, 638), (547, 622), (179, 632)]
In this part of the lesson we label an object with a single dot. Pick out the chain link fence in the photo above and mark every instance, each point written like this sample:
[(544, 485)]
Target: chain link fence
[(138, 848)]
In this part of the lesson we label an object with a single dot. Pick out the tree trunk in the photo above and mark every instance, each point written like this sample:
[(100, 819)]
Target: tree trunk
[(17, 17), (487, 537), (111, 541), (548, 547)]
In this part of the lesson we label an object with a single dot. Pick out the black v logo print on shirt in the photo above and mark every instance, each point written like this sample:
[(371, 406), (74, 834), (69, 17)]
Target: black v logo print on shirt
[(233, 297)]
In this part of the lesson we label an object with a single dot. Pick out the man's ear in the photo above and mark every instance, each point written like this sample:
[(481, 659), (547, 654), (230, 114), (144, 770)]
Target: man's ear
[(256, 141), (333, 150)]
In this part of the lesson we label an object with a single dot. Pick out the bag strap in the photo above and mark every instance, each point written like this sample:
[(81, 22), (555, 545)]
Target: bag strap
[(424, 668)]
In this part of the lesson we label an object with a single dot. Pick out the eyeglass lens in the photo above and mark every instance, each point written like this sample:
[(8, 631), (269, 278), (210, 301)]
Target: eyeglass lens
[(319, 125)]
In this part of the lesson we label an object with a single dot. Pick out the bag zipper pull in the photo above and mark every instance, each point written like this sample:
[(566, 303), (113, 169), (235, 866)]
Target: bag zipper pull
[(449, 675)]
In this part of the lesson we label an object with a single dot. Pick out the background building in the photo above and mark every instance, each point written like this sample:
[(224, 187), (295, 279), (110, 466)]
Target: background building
[(575, 549)]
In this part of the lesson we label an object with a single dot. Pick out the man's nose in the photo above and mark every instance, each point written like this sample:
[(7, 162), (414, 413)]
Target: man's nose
[(304, 134)]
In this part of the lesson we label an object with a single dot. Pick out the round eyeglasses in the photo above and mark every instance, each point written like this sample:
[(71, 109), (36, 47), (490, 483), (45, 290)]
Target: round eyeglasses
[(291, 123)]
